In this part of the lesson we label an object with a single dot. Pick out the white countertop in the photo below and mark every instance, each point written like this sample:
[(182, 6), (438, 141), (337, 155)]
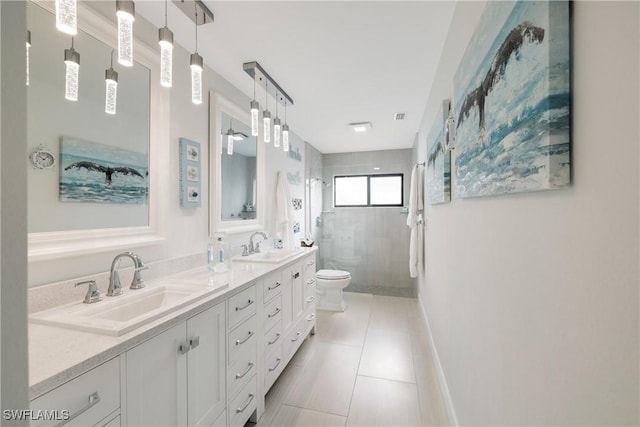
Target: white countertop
[(57, 355)]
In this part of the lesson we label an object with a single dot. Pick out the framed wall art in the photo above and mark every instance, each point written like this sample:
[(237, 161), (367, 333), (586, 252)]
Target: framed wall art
[(190, 171), (512, 100)]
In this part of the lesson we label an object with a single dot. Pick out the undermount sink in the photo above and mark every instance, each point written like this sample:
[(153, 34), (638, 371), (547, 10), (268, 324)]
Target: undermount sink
[(274, 257), (116, 316)]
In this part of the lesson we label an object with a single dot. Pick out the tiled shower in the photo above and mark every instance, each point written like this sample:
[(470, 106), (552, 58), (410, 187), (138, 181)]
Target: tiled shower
[(372, 243)]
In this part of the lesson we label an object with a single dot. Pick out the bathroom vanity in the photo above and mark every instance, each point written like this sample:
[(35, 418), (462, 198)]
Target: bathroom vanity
[(209, 363)]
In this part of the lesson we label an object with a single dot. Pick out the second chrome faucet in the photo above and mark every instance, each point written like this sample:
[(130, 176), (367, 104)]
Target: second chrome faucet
[(115, 287)]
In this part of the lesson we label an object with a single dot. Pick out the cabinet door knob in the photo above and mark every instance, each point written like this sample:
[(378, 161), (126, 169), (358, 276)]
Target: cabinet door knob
[(194, 342), (183, 348)]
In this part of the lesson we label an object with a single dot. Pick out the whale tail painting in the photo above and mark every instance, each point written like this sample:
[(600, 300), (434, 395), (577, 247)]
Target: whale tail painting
[(107, 170), (512, 98), (524, 32)]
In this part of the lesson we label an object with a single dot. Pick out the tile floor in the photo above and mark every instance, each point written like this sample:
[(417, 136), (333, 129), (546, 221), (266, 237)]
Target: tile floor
[(368, 366)]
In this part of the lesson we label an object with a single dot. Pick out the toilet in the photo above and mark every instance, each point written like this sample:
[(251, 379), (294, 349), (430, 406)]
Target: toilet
[(329, 286)]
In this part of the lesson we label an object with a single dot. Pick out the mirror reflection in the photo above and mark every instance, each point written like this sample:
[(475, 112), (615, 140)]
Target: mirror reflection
[(100, 178), (238, 170)]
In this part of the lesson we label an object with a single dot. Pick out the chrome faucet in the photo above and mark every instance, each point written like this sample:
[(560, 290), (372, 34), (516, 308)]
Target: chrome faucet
[(115, 287), (256, 249)]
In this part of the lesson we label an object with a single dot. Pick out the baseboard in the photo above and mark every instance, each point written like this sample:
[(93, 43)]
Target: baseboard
[(442, 381)]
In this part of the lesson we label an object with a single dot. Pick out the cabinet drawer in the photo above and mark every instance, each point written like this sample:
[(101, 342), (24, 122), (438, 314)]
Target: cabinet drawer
[(272, 313), (242, 338), (272, 285), (273, 338), (309, 267), (294, 339), (88, 398), (241, 306), (310, 287), (309, 301), (242, 369), (241, 408), (273, 365), (310, 318)]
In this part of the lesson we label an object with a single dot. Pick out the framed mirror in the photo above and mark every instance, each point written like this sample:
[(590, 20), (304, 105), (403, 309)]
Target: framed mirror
[(237, 175), (102, 192)]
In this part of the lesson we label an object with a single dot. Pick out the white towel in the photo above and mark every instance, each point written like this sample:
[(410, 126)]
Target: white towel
[(283, 211), (414, 218)]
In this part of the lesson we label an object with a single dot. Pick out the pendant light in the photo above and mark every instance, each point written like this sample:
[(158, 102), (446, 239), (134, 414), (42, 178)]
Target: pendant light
[(27, 53), (255, 108), (126, 11), (196, 71), (285, 130), (67, 16), (230, 138), (266, 116), (72, 73), (276, 126), (165, 40), (111, 89)]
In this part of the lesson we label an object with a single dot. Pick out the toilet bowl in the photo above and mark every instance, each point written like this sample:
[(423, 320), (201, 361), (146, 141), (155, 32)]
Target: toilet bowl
[(329, 286)]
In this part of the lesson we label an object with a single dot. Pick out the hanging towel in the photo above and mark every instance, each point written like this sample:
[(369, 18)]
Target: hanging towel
[(283, 211), (414, 220)]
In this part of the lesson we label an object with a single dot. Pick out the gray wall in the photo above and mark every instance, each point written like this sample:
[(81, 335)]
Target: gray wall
[(371, 243), (532, 298)]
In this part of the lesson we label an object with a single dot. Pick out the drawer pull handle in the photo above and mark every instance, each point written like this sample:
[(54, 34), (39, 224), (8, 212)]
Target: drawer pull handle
[(275, 339), (94, 399), (275, 313), (310, 263), (239, 410), (311, 282), (296, 274), (194, 342), (239, 342), (242, 308), (311, 298), (296, 338), (249, 367), (311, 317), (278, 360), (270, 288), (183, 348)]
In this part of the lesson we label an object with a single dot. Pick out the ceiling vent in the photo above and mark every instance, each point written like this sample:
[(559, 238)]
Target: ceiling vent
[(398, 116)]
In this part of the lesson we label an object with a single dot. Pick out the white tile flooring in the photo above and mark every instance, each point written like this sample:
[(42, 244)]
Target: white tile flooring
[(368, 366)]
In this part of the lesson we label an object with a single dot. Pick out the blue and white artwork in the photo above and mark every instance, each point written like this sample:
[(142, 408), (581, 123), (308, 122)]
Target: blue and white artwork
[(438, 164), (189, 173), (512, 101), (91, 172)]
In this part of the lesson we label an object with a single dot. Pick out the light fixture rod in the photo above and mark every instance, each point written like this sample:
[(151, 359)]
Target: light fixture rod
[(261, 77), (204, 14)]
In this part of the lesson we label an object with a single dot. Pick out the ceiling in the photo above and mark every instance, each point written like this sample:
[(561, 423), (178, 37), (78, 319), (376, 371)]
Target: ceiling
[(340, 62)]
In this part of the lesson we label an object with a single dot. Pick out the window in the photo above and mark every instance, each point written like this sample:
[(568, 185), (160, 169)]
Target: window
[(368, 190)]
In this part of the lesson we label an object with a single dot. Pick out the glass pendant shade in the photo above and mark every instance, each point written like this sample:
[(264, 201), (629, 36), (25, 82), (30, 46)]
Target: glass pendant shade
[(230, 142), (72, 74), (67, 16), (266, 118), (196, 78), (126, 15), (27, 55), (276, 132), (165, 40), (285, 137), (111, 93), (255, 109)]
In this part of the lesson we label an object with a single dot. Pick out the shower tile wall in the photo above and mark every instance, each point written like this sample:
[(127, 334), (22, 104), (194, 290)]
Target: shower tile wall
[(371, 243), (313, 181)]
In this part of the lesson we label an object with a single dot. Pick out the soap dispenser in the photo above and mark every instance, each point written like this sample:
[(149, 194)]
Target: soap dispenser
[(221, 262)]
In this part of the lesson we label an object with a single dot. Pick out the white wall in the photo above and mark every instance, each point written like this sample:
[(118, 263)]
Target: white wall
[(532, 299), (14, 389)]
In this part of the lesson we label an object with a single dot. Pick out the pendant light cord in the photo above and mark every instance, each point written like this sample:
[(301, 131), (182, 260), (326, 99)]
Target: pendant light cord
[(276, 103), (196, 9), (266, 95), (165, 12), (112, 50)]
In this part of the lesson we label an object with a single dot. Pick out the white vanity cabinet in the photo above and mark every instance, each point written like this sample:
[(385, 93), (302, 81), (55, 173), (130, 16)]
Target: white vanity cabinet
[(242, 344), (92, 399), (273, 329), (178, 377)]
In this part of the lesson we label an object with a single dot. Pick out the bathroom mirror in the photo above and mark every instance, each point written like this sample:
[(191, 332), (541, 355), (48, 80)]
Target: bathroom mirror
[(101, 193), (237, 178)]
